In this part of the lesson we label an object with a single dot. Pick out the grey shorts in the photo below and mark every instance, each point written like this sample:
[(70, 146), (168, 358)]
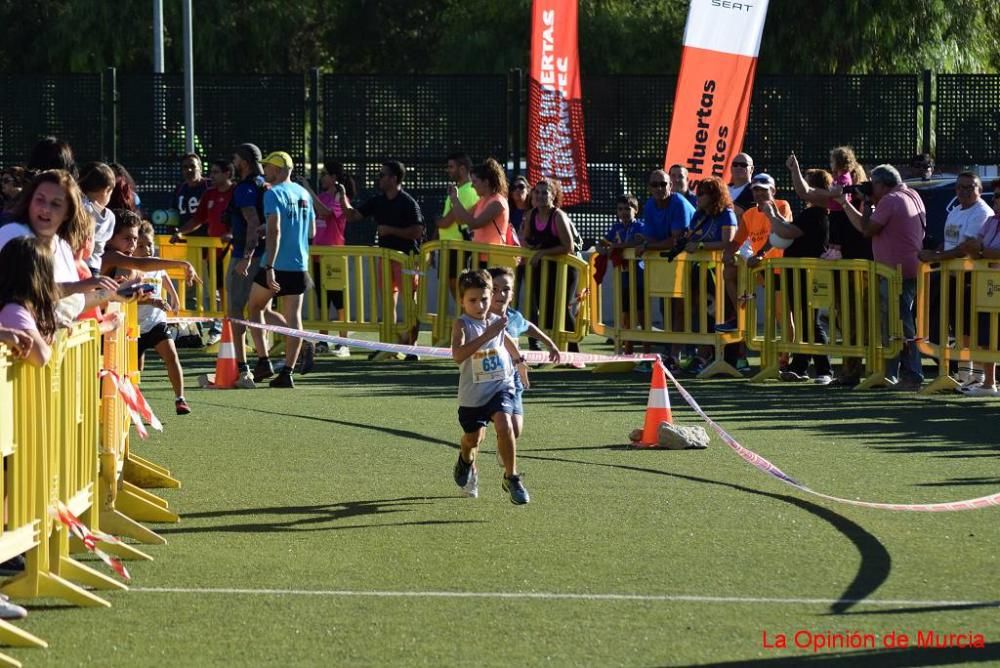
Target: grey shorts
[(238, 289)]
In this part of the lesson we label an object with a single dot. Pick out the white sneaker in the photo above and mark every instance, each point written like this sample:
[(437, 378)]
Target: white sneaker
[(471, 488), (823, 380), (213, 338), (341, 351), (245, 381), (10, 610), (983, 391)]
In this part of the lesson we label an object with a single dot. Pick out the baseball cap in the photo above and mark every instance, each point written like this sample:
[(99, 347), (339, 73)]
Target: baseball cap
[(278, 159), (249, 152), (762, 180)]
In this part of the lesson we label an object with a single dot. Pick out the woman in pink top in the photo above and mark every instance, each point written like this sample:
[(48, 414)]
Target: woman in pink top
[(491, 219), (331, 224)]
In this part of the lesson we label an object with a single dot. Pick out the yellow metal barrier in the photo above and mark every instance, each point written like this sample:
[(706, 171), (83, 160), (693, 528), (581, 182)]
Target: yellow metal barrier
[(363, 277), (20, 534), (123, 503), (444, 256), (50, 427), (967, 288), (796, 290), (209, 258), (692, 291)]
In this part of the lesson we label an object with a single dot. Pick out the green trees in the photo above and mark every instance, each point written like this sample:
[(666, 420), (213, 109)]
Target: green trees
[(448, 36)]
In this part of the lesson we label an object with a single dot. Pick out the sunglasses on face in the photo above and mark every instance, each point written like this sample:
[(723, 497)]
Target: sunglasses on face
[(741, 164), (658, 184)]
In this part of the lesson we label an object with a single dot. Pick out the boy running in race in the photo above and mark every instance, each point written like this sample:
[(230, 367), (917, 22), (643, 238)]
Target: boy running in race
[(517, 324), (486, 356)]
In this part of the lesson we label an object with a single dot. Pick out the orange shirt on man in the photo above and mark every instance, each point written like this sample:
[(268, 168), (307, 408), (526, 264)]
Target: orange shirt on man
[(755, 225)]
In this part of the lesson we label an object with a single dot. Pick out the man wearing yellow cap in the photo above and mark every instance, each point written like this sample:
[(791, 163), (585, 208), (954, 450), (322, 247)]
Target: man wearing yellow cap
[(290, 222)]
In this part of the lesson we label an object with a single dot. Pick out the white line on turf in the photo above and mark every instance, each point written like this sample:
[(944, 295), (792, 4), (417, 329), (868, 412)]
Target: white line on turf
[(554, 596)]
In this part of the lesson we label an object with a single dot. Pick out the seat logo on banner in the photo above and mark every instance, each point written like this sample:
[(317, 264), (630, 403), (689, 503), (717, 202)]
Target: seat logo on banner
[(712, 103), (555, 105)]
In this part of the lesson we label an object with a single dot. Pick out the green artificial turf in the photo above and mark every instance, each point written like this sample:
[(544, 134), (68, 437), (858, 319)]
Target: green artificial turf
[(343, 487)]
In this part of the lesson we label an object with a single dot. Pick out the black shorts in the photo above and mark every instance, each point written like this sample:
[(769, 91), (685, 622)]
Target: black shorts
[(474, 418), (153, 338), (291, 282)]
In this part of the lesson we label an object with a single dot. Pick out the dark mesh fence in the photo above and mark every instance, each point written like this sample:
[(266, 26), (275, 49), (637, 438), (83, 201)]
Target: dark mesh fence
[(269, 111), (416, 120), (968, 119), (33, 106), (626, 119)]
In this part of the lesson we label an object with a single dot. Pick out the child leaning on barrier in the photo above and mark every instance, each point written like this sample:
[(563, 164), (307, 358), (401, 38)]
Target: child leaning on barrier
[(517, 324), (129, 254), (487, 357), (620, 236)]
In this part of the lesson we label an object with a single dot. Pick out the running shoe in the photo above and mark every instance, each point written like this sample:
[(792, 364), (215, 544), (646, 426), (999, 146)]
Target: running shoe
[(462, 471), (514, 487)]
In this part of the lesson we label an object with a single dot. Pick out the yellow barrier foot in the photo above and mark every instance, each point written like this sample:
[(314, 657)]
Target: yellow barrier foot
[(9, 661), (872, 381), (50, 585), (149, 497), (765, 374), (119, 524), (135, 503), (76, 572), (17, 637), (144, 473), (720, 368), (120, 550), (943, 383)]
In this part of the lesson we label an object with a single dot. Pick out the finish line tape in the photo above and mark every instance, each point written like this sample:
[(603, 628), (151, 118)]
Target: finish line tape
[(541, 357), (767, 467), (532, 356)]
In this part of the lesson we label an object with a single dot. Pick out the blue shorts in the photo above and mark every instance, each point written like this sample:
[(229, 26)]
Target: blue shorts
[(474, 418), (518, 394)]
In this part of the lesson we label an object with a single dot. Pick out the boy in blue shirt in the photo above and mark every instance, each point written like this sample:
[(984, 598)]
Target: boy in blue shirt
[(517, 325), (626, 233)]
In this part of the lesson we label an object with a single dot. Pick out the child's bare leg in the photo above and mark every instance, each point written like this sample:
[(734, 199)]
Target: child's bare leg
[(470, 444), (168, 353), (517, 421), (506, 442)]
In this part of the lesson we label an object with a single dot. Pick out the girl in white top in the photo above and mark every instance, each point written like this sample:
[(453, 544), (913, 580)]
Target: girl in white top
[(51, 209)]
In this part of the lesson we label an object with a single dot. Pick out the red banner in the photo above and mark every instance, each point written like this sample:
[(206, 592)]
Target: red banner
[(712, 102), (555, 101)]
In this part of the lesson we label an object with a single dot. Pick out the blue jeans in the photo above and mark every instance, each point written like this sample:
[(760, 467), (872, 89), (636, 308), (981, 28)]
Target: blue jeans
[(910, 355)]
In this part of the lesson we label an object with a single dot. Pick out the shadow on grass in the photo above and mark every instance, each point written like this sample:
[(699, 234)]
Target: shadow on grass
[(876, 563), (320, 514), (883, 658), (390, 431), (928, 608)]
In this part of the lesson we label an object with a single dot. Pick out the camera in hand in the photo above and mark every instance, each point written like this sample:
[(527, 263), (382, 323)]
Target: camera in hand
[(864, 189), (128, 291), (679, 246)]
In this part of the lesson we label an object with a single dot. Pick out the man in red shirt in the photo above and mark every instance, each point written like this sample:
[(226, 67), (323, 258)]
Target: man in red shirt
[(211, 213)]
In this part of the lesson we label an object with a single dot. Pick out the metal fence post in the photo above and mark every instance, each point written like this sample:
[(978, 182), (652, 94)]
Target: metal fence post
[(927, 104), (314, 126), (516, 79), (109, 116)]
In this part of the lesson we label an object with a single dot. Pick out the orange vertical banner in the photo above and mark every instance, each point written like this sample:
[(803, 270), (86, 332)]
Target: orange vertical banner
[(555, 101), (712, 102)]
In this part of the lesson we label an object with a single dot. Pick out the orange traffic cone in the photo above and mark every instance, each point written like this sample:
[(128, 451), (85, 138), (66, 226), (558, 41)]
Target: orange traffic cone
[(657, 407), (226, 372)]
